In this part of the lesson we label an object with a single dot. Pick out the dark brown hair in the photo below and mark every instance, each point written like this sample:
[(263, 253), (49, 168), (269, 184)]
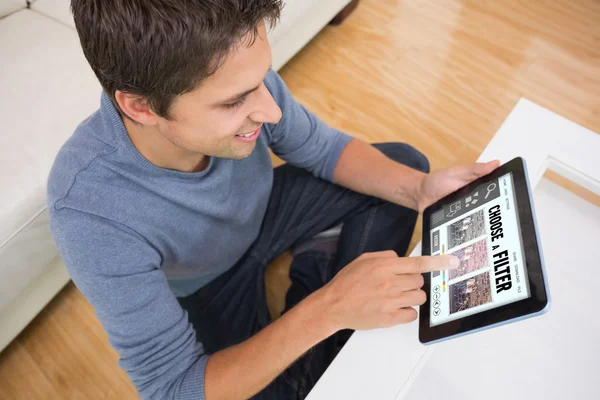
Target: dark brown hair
[(160, 49)]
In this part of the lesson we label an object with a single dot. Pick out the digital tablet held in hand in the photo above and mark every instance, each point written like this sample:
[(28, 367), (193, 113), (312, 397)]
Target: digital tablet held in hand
[(490, 226)]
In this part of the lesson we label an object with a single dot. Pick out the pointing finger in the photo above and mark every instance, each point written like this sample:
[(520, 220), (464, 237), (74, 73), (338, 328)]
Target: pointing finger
[(420, 265)]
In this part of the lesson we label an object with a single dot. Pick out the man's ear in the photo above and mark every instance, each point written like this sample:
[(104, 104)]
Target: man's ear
[(136, 108)]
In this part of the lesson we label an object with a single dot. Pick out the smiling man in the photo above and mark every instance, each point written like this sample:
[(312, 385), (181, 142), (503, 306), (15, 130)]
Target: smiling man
[(166, 209)]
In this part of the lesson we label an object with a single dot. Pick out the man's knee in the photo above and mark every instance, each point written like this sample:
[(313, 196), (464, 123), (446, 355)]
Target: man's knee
[(405, 154)]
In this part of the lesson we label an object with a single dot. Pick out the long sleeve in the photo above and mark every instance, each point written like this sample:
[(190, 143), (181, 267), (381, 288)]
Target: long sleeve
[(118, 272), (300, 137)]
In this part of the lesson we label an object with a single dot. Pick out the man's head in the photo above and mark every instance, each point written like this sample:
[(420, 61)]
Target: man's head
[(190, 70)]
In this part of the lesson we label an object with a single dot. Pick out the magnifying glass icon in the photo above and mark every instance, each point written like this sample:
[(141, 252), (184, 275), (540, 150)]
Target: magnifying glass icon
[(490, 189)]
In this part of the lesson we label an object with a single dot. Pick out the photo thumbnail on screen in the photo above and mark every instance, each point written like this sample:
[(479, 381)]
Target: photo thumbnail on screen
[(466, 229), (471, 292), (472, 257)]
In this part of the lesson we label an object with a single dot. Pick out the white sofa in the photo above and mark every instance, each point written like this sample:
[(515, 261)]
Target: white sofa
[(46, 89)]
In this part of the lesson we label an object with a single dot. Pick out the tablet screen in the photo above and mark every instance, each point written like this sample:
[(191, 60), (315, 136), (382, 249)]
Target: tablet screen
[(482, 230)]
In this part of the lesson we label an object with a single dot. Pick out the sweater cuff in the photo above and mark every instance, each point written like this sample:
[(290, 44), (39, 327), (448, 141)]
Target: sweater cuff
[(192, 385)]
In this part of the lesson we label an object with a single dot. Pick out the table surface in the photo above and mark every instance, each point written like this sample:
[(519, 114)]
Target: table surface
[(392, 364)]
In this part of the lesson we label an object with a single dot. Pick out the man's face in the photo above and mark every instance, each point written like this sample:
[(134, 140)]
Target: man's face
[(223, 117)]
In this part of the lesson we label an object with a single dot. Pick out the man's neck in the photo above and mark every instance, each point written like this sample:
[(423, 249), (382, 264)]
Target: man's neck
[(160, 151)]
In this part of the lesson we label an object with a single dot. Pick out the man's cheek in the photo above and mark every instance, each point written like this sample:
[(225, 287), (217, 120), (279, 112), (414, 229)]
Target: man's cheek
[(229, 121)]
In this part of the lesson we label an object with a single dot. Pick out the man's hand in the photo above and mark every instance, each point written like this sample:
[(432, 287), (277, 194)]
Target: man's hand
[(441, 183), (378, 290)]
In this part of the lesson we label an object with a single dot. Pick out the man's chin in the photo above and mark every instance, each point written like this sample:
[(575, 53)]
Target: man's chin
[(240, 152)]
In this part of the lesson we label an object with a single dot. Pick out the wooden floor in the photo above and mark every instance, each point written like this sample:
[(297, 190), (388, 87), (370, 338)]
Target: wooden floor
[(440, 75)]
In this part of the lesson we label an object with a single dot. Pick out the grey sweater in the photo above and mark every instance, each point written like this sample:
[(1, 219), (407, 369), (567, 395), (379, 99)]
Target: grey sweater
[(134, 236)]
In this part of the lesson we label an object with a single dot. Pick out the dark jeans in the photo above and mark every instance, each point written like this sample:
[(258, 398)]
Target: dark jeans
[(233, 307)]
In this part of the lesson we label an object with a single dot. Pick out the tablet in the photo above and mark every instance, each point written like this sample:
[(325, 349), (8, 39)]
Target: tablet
[(490, 226)]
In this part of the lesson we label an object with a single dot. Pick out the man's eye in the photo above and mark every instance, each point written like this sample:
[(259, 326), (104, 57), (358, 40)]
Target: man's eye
[(236, 104)]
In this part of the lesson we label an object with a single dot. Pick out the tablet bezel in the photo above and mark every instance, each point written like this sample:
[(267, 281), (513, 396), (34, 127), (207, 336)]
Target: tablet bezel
[(539, 298)]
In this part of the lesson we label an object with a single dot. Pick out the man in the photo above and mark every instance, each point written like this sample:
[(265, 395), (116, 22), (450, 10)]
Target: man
[(166, 209)]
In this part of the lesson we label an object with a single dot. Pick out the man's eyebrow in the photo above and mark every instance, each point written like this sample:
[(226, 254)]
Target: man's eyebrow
[(239, 96)]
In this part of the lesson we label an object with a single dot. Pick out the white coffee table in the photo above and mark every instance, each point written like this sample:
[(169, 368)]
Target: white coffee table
[(555, 356)]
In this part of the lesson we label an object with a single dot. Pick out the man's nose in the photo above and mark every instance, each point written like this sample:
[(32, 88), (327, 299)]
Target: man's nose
[(267, 111)]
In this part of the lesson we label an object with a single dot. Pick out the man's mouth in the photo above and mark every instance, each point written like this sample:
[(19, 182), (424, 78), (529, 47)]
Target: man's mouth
[(249, 137)]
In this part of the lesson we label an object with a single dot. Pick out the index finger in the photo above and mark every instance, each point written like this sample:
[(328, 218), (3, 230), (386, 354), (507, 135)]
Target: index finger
[(423, 264)]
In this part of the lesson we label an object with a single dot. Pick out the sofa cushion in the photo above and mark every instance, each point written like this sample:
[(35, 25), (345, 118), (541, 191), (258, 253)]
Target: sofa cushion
[(47, 90), (10, 6), (60, 10)]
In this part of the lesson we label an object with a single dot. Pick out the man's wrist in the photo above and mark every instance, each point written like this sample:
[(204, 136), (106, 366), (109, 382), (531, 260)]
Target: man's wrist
[(321, 308), (420, 200), (410, 191)]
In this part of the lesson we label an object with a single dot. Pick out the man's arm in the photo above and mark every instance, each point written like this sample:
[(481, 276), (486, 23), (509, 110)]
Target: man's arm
[(363, 168), (119, 275), (366, 170), (241, 371), (303, 140)]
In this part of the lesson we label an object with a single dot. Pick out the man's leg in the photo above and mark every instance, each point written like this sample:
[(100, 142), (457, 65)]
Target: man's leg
[(369, 225)]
